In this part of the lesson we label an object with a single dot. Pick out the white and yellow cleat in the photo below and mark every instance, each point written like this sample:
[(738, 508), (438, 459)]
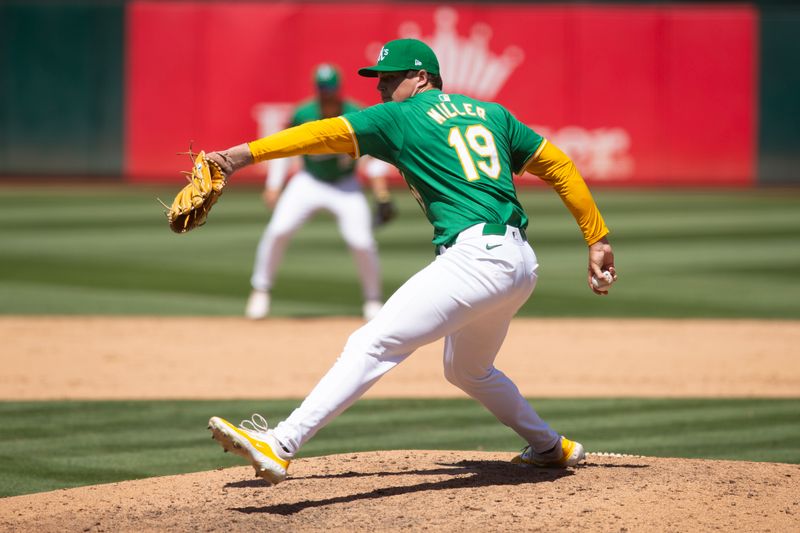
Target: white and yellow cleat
[(253, 441), (565, 453)]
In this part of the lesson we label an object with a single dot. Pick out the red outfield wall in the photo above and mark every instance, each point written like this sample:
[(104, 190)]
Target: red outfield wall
[(655, 95)]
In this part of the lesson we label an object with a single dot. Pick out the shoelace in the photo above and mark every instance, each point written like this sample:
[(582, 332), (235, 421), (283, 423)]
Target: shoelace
[(257, 423)]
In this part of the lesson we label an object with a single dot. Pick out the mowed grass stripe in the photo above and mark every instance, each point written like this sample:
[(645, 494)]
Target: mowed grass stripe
[(51, 445), (680, 254)]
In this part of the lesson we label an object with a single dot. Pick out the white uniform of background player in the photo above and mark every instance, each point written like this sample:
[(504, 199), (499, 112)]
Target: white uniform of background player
[(325, 182)]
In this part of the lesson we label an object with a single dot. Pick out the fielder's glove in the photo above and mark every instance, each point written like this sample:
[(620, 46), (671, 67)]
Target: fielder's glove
[(190, 207), (385, 211)]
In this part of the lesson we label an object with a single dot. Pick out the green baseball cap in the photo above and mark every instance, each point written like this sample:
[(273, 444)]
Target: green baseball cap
[(326, 77), (403, 54)]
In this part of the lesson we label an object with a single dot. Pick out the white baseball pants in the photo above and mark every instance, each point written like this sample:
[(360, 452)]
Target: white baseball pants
[(467, 295), (304, 196)]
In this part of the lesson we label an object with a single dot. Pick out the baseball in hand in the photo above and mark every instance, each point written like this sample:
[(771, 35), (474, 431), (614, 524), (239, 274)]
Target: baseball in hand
[(603, 282)]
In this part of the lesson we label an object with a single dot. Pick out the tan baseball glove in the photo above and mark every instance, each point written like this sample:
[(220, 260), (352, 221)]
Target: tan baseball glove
[(190, 207)]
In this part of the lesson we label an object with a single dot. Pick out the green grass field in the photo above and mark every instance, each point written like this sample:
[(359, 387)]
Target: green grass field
[(107, 250), (51, 445), (77, 250)]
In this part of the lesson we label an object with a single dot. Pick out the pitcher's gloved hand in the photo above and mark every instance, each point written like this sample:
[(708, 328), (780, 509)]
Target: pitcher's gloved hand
[(190, 207)]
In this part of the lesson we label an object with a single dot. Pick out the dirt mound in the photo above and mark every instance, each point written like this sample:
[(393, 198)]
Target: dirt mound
[(432, 490), (135, 358)]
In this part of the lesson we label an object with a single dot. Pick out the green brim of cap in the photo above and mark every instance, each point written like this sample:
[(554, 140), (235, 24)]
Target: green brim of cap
[(372, 72)]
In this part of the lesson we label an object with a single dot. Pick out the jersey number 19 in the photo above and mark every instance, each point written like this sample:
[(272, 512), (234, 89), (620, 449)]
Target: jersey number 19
[(481, 143)]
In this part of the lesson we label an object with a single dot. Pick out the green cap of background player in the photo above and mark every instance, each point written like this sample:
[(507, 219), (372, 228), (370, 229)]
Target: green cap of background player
[(326, 77), (403, 54)]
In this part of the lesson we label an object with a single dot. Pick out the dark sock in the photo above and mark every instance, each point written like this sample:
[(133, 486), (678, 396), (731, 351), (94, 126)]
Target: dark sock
[(551, 450)]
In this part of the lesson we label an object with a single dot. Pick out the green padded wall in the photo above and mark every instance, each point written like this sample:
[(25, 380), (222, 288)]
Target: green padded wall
[(779, 132), (61, 103)]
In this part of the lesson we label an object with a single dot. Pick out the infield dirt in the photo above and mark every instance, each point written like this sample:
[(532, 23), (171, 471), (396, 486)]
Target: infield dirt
[(137, 358), (231, 358)]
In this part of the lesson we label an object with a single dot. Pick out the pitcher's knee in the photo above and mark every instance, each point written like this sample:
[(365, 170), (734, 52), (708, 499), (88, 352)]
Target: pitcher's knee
[(365, 340), (468, 380), (451, 376)]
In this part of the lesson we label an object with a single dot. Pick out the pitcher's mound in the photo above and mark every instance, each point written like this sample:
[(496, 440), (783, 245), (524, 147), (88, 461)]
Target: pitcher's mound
[(436, 491)]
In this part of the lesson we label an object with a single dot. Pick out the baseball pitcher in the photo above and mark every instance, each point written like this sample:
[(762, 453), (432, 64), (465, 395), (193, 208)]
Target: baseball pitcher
[(458, 156)]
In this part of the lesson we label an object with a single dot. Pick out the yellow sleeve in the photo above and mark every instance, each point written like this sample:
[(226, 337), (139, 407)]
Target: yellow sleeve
[(327, 136), (554, 167)]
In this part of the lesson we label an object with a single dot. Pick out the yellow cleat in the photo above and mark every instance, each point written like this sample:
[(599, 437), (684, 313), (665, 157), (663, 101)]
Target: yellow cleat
[(255, 443), (566, 453)]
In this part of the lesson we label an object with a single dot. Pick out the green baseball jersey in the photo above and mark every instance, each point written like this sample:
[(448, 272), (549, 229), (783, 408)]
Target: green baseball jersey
[(457, 154), (329, 168)]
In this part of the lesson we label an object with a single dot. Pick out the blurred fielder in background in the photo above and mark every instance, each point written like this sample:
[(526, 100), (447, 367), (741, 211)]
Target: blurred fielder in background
[(458, 156), (322, 182)]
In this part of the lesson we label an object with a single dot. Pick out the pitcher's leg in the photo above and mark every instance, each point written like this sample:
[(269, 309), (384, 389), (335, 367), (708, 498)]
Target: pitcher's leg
[(470, 352), (469, 364), (353, 373), (431, 304)]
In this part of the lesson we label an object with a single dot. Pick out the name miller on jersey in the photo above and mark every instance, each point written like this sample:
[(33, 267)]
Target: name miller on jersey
[(443, 111)]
